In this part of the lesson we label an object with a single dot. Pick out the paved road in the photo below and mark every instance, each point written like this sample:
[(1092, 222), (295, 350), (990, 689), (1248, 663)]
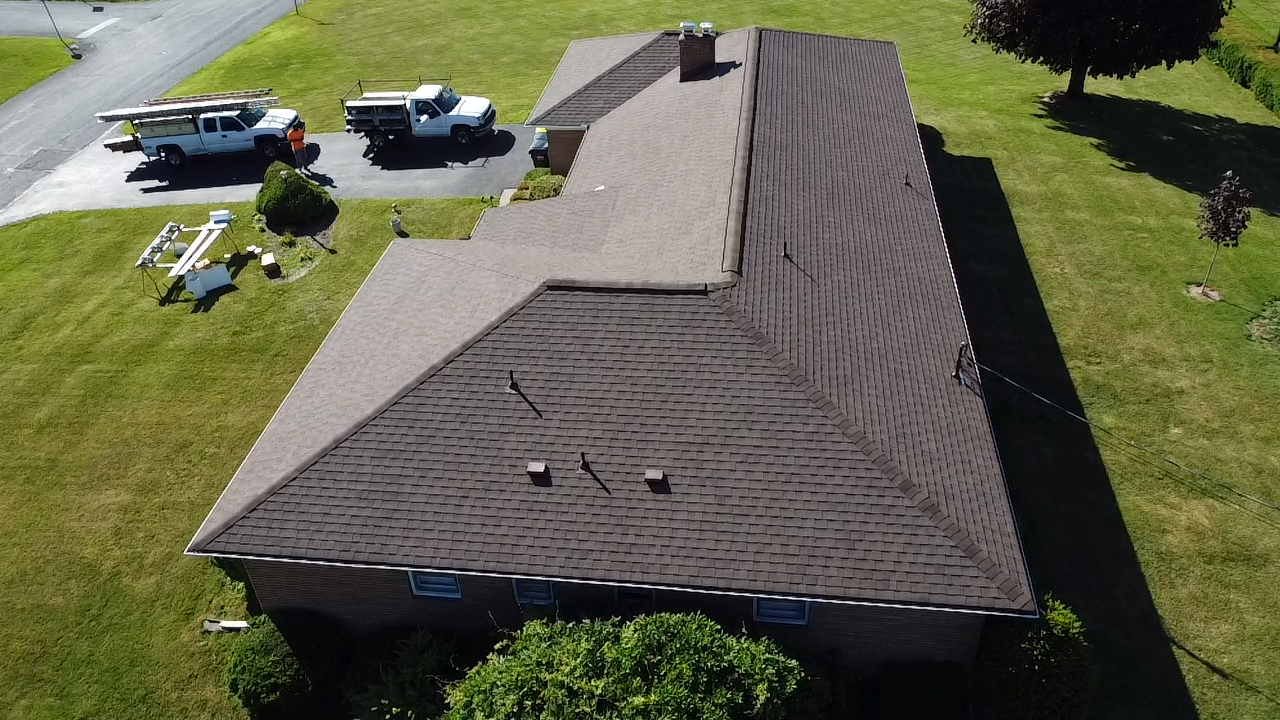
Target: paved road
[(97, 178), (74, 19), (149, 50)]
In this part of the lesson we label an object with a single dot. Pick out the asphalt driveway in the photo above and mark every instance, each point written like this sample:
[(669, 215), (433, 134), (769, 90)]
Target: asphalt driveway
[(131, 51), (97, 178)]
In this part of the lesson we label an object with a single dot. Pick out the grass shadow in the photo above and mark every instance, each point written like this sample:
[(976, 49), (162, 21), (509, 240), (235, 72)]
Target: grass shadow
[(1183, 148), (1075, 538)]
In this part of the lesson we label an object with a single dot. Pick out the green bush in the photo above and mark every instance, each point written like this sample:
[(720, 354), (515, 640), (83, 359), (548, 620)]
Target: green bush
[(547, 186), (1242, 65), (261, 670), (536, 173), (410, 685), (288, 199), (656, 666), (1036, 670)]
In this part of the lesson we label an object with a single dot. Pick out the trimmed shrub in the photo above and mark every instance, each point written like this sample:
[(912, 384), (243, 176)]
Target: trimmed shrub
[(261, 670), (536, 173), (410, 685), (288, 199), (655, 666), (1036, 670), (547, 186), (1242, 65)]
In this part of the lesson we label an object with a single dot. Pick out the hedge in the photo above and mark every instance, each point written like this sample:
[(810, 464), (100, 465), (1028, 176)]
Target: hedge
[(261, 670), (1242, 65)]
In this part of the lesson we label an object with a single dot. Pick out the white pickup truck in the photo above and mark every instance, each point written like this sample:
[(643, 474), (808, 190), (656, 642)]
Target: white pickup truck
[(432, 110), (173, 129)]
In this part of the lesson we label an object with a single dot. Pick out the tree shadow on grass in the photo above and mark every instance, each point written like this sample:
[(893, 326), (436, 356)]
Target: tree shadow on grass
[(1186, 149), (1075, 538)]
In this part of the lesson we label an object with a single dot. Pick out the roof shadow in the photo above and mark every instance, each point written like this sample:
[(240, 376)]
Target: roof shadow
[(1183, 148), (1073, 533)]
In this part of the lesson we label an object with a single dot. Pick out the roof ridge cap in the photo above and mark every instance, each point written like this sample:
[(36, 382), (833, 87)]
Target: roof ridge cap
[(914, 493), (205, 536), (535, 121), (739, 177)]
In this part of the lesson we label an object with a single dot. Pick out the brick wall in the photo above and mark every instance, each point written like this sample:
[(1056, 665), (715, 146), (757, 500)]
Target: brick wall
[(562, 148), (365, 599)]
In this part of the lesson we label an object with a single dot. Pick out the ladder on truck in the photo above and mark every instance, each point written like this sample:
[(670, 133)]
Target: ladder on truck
[(192, 105)]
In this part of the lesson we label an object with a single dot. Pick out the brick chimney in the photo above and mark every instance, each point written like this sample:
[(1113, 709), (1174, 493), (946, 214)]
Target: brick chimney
[(697, 50)]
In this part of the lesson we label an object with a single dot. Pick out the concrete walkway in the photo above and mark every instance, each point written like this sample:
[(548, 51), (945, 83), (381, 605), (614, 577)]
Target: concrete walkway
[(96, 178)]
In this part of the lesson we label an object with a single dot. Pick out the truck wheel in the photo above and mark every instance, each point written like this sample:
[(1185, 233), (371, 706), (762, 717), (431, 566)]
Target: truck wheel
[(463, 135), (378, 140), (268, 148), (173, 155)]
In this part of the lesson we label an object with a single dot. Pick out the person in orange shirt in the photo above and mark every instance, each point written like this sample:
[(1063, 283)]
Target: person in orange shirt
[(297, 140)]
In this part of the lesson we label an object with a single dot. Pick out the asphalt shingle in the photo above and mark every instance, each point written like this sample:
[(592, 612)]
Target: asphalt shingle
[(616, 85), (815, 442)]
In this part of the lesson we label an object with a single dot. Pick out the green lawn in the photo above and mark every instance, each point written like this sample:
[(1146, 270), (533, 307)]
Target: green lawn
[(122, 420), (114, 469), (27, 61), (1104, 203)]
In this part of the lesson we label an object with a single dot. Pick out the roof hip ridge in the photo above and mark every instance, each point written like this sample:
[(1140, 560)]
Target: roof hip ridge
[(917, 495)]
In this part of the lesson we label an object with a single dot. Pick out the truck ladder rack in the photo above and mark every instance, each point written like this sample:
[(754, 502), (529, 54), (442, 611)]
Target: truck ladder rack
[(181, 109), (210, 97)]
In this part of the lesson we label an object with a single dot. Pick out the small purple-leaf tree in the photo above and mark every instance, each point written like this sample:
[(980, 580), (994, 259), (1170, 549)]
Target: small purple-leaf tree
[(1224, 215)]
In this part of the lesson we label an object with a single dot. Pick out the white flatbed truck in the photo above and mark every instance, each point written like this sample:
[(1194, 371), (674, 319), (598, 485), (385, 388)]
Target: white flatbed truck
[(174, 129), (430, 110)]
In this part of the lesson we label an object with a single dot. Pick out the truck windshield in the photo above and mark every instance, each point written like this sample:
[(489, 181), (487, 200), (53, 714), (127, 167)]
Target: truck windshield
[(447, 100), (251, 116)]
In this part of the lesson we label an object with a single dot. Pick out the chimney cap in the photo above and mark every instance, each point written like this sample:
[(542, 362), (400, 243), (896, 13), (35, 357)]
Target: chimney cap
[(705, 27), (687, 28)]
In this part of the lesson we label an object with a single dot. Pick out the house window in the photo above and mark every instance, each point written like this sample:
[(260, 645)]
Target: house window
[(782, 612), (534, 592), (635, 597), (432, 585)]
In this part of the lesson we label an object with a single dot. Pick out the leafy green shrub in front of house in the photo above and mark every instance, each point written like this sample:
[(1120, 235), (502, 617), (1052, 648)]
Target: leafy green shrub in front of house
[(1242, 65), (409, 685), (1036, 670), (547, 186), (536, 173), (288, 199), (261, 670), (664, 665)]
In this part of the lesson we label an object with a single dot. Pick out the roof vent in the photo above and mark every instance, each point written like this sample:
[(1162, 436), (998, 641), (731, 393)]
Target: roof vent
[(537, 469), (655, 476), (583, 465), (513, 387)]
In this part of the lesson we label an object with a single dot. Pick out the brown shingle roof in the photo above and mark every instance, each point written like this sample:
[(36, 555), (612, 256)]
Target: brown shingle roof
[(615, 86), (815, 441), (583, 61)]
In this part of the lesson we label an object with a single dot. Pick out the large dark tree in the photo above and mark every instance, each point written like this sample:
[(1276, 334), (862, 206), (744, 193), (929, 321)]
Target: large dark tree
[(1112, 38)]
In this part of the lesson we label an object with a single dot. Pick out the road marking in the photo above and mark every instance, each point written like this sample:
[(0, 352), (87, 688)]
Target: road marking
[(100, 26)]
